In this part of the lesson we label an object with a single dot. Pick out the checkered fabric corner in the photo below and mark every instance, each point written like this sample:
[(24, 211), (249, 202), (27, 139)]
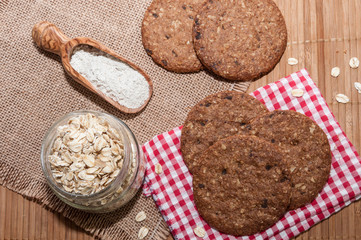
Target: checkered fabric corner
[(172, 189)]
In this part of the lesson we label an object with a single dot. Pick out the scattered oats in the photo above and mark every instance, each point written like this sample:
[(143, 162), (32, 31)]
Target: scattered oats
[(342, 98), (303, 187), (140, 216), (158, 168), (313, 180), (199, 231), (297, 92), (292, 169), (358, 86), (292, 61), (143, 232), (354, 62), (298, 185), (335, 72)]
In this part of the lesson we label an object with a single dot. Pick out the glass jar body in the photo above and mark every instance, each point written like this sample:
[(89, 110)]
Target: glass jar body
[(117, 193)]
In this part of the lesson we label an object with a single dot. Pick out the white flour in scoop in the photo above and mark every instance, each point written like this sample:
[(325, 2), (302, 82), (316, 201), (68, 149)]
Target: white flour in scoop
[(111, 76)]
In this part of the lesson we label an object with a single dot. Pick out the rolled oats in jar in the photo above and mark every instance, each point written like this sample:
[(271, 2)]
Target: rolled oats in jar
[(92, 161)]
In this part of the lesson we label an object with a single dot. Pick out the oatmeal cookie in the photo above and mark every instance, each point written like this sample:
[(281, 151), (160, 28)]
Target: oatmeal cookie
[(306, 148), (215, 117), (167, 34), (240, 40), (241, 186)]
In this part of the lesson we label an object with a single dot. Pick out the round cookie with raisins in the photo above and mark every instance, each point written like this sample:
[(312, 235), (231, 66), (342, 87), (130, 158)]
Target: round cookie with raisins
[(241, 186), (215, 117), (167, 34), (305, 146), (240, 40)]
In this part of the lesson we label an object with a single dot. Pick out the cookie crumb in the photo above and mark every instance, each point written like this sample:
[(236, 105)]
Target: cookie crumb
[(199, 231), (342, 98), (354, 62), (292, 61), (335, 72)]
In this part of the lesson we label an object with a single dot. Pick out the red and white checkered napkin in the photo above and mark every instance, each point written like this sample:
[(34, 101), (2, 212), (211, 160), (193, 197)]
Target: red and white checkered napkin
[(172, 189)]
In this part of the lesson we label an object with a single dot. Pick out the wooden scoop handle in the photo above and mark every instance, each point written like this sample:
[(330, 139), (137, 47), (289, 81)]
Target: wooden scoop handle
[(48, 37)]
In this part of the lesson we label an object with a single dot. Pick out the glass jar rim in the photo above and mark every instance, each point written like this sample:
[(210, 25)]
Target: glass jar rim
[(118, 179)]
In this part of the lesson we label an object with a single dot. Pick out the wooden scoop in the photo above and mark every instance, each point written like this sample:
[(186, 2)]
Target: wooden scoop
[(50, 38)]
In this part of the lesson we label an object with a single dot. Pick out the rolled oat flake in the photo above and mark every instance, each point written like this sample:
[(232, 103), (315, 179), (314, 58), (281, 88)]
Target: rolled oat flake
[(358, 86), (143, 232), (292, 61), (335, 72), (199, 231), (342, 98), (158, 169), (140, 216), (354, 62), (297, 92)]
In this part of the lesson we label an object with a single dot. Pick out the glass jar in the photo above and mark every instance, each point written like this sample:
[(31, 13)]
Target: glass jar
[(124, 186)]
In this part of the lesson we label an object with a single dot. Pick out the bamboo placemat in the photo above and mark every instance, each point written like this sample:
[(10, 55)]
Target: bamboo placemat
[(322, 34)]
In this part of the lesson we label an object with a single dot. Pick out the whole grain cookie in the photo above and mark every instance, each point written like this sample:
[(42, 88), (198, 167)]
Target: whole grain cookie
[(217, 116), (241, 186), (167, 34), (240, 40), (306, 147)]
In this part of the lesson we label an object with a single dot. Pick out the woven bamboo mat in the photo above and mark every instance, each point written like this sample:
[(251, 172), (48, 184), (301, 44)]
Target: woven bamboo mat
[(322, 34)]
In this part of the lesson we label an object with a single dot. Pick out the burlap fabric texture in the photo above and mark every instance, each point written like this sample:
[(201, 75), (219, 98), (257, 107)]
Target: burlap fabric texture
[(35, 91)]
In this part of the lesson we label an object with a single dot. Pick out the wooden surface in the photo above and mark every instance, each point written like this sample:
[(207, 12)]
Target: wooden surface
[(322, 34)]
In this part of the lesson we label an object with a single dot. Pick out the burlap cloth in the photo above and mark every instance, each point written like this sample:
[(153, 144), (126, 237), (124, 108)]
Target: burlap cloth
[(35, 91)]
